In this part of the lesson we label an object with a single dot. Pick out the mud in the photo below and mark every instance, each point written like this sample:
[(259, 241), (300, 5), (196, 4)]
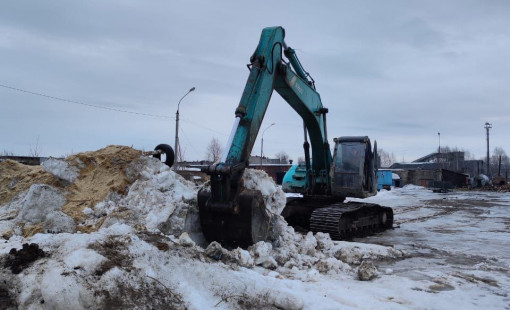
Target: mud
[(6, 301), (21, 259)]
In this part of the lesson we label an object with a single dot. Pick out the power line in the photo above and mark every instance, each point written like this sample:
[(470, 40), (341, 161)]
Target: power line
[(82, 103), (204, 127), (109, 108), (188, 140)]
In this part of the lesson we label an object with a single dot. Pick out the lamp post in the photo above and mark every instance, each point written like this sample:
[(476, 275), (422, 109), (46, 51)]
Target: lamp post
[(176, 146), (262, 143), (439, 148), (487, 127)]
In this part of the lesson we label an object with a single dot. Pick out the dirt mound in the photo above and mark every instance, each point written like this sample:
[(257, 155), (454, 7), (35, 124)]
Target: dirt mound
[(503, 188)]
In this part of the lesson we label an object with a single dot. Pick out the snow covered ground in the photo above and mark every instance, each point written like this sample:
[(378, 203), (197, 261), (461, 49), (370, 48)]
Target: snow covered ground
[(458, 245), (131, 249)]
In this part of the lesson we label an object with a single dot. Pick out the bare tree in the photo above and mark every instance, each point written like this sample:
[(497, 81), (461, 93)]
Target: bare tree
[(283, 157), (447, 149), (214, 150), (494, 161), (182, 153), (35, 151), (468, 155), (385, 158)]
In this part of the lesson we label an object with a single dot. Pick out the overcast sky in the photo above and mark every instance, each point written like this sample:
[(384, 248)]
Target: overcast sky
[(397, 71)]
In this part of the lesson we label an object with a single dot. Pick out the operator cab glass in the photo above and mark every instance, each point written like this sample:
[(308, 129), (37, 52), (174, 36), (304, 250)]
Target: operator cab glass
[(349, 157), (351, 160)]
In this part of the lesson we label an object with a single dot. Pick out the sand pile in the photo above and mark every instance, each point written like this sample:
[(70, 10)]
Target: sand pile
[(16, 177), (61, 189)]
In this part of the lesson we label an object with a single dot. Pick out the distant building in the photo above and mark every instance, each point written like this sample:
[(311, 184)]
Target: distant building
[(453, 161), (272, 166), (438, 170), (256, 160)]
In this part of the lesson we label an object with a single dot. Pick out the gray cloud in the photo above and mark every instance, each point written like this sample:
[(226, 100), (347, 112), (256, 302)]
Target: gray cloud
[(397, 71)]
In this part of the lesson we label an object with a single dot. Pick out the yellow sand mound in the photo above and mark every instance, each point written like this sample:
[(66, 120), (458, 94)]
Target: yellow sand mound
[(16, 177), (100, 172)]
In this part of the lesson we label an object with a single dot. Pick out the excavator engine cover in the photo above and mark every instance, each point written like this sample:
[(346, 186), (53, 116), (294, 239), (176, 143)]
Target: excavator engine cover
[(245, 224)]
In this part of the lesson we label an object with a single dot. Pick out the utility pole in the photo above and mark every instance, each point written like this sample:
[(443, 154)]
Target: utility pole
[(487, 127), (178, 156)]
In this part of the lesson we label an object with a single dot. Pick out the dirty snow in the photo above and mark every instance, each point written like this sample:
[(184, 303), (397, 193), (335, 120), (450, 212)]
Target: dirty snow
[(144, 253)]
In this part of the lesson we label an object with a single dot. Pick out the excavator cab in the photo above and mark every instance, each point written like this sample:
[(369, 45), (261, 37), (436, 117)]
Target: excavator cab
[(353, 170)]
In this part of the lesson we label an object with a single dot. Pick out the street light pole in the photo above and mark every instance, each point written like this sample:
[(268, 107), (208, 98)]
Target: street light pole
[(262, 143), (439, 149), (176, 145), (487, 127)]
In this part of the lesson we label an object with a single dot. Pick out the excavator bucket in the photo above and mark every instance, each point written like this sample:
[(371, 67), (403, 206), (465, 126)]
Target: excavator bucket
[(241, 225)]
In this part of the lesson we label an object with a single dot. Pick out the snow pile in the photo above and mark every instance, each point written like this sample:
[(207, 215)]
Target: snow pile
[(367, 271), (40, 200), (112, 230), (355, 253), (61, 168), (157, 201), (274, 197), (32, 209), (16, 178)]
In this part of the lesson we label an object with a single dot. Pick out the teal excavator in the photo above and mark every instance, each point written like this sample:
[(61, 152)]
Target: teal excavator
[(235, 216)]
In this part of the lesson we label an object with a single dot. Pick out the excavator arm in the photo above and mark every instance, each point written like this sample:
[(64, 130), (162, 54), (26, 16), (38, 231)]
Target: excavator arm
[(229, 213)]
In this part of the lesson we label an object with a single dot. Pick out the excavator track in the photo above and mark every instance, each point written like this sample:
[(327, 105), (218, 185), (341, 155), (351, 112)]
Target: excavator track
[(344, 221)]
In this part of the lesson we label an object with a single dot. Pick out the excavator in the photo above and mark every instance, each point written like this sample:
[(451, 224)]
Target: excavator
[(236, 216)]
